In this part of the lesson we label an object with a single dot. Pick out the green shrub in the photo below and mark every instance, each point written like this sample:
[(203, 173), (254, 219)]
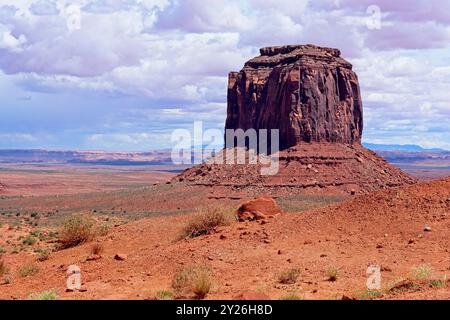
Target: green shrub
[(437, 283), (46, 295), (370, 294), (29, 240)]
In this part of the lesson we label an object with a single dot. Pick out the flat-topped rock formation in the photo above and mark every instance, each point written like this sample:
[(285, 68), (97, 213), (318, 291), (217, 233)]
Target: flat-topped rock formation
[(307, 92), (311, 95)]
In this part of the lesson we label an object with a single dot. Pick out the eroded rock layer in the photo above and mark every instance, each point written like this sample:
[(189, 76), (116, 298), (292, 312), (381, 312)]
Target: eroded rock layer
[(307, 167), (307, 92)]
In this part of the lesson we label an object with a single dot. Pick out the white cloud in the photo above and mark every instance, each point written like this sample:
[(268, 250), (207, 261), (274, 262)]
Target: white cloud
[(10, 42), (176, 54)]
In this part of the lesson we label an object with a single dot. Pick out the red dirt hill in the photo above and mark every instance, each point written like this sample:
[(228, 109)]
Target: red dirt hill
[(307, 167), (386, 228)]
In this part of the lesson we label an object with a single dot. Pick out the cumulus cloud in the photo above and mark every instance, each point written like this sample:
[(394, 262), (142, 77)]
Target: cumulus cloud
[(9, 42), (158, 64)]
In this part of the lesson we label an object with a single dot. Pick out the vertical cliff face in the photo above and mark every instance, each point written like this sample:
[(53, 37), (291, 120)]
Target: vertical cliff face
[(312, 96), (307, 92)]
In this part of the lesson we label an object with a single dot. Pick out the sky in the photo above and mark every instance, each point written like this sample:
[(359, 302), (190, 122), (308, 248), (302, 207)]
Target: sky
[(123, 74)]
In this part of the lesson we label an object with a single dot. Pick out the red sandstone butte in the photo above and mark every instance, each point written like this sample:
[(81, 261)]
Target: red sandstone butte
[(309, 93)]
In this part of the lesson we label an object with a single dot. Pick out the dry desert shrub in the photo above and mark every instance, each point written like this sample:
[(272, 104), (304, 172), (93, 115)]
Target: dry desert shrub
[(29, 240), (332, 274), (370, 294), (207, 220), (76, 230), (45, 295), (438, 283), (28, 270), (291, 296), (289, 277), (422, 271), (43, 255), (164, 295), (192, 280), (97, 248)]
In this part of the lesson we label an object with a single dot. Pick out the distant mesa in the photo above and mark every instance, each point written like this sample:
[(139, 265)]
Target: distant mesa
[(312, 96)]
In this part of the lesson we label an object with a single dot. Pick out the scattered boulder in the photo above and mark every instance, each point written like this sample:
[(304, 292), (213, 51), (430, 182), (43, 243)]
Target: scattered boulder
[(120, 257), (427, 229), (258, 209), (93, 257)]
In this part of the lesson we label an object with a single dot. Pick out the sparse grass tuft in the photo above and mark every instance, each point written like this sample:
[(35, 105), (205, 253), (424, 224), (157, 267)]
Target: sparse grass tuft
[(29, 240), (164, 295), (332, 274), (97, 248), (75, 231), (206, 221), (43, 255), (370, 294), (291, 296), (46, 295), (28, 270), (289, 277), (422, 271), (103, 230), (192, 280), (438, 283)]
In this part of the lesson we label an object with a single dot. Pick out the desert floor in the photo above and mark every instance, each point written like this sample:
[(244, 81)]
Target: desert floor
[(318, 234)]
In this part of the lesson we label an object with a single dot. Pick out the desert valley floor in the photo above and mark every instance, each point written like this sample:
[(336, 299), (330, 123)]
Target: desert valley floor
[(404, 230)]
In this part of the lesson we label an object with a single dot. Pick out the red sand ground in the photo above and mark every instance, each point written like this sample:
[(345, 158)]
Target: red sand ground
[(384, 227), (36, 180)]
